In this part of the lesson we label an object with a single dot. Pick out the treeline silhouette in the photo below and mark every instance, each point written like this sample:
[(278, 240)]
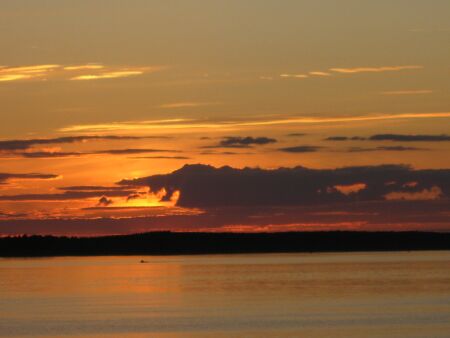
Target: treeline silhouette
[(173, 243)]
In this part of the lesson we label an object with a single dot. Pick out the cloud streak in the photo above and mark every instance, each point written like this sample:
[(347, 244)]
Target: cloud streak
[(58, 154), (410, 138), (25, 144), (407, 92), (192, 125), (84, 72), (381, 69), (393, 137), (178, 105), (301, 149), (392, 148), (6, 177), (355, 70), (243, 142)]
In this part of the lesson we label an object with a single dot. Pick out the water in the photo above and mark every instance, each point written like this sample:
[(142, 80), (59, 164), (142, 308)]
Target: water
[(274, 295)]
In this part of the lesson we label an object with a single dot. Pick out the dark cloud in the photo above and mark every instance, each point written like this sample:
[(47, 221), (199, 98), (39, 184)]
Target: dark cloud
[(93, 188), (134, 151), (410, 138), (301, 149), (345, 138), (374, 216), (206, 186), (57, 154), (11, 145), (68, 195), (224, 153), (393, 148), (393, 137), (104, 201), (242, 142), (47, 154), (296, 135), (4, 177), (162, 157)]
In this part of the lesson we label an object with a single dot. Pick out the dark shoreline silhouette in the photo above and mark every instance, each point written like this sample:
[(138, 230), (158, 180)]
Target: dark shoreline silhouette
[(173, 243)]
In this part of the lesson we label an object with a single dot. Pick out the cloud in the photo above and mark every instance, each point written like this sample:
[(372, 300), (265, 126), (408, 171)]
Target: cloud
[(393, 137), (177, 105), (343, 119), (46, 154), (345, 138), (9, 145), (433, 193), (72, 72), (26, 72), (224, 153), (133, 151), (92, 188), (392, 148), (104, 201), (206, 186), (355, 70), (107, 75), (192, 125), (294, 76), (407, 92), (5, 177), (410, 138), (365, 216), (301, 149), (88, 66), (319, 74), (58, 154), (296, 135), (237, 141), (68, 195), (350, 189), (162, 157), (375, 69)]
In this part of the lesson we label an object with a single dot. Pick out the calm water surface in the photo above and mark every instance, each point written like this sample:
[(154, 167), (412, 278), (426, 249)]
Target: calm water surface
[(274, 295)]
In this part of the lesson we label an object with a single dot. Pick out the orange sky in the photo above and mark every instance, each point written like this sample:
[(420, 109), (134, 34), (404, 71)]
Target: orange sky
[(94, 93)]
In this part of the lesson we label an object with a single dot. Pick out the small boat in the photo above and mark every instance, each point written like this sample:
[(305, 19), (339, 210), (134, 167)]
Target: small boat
[(142, 261)]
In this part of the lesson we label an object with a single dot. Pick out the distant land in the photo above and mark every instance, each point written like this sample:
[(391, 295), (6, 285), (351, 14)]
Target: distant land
[(175, 243)]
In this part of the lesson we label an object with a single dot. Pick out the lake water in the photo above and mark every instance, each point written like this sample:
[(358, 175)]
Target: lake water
[(347, 295)]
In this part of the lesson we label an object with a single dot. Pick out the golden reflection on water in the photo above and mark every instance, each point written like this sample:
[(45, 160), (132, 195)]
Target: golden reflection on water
[(313, 295)]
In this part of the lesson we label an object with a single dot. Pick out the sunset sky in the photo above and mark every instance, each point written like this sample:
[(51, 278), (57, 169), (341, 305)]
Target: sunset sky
[(119, 116)]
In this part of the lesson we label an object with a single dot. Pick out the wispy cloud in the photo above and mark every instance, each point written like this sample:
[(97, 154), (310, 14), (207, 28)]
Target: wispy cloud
[(393, 137), (26, 72), (408, 92), (84, 67), (375, 69), (336, 71), (295, 76), (242, 142), (389, 148), (72, 72), (319, 74), (301, 149), (177, 105), (107, 75), (131, 126), (5, 177), (191, 125), (24, 144)]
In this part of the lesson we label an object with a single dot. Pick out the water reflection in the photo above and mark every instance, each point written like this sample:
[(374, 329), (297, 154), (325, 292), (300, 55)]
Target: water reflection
[(347, 295)]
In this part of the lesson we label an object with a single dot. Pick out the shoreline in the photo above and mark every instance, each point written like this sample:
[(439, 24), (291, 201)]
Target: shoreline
[(192, 243)]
